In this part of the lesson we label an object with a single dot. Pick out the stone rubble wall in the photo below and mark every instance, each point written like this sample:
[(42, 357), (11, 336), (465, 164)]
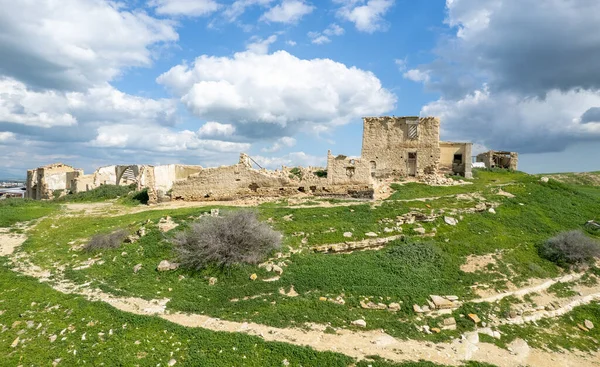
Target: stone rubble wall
[(488, 159), (342, 170), (386, 145), (447, 164), (43, 181)]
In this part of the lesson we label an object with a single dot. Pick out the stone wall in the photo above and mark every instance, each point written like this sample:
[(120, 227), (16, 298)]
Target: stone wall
[(342, 170), (166, 175), (390, 145), (450, 162), (43, 181), (499, 159)]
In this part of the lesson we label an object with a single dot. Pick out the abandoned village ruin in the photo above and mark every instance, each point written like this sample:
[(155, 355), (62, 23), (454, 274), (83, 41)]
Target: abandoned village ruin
[(392, 147)]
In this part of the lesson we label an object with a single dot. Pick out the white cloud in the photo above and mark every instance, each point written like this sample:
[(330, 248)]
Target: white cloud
[(320, 38), (282, 142), (276, 94), (401, 64), (291, 43), (238, 7), (417, 75), (261, 46), (291, 160), (514, 79), (213, 129), (288, 11), (161, 139), (185, 7), (73, 44), (6, 136), (367, 16)]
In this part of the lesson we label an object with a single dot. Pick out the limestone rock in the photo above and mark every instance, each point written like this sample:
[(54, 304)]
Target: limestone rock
[(394, 307), (212, 281), (450, 221), (277, 269), (371, 234), (441, 303), (474, 318), (322, 298), (166, 265), (544, 179), (348, 234), (419, 230), (417, 309), (166, 224), (214, 212), (588, 324), (292, 292), (15, 343), (449, 321), (171, 363), (492, 210), (359, 323), (436, 330), (253, 276), (137, 268)]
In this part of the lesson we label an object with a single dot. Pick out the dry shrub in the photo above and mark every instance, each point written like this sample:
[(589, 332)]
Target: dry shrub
[(235, 238), (570, 248), (104, 241)]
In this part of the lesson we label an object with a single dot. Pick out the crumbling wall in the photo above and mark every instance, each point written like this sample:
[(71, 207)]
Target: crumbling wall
[(342, 170), (43, 181), (166, 175), (401, 146), (499, 159), (455, 158)]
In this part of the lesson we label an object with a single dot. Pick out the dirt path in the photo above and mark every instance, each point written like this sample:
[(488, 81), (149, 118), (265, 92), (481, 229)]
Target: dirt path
[(354, 343)]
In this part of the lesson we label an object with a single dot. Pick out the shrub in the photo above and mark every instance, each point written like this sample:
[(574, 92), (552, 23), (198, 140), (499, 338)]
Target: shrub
[(235, 238), (100, 193), (570, 248), (105, 241)]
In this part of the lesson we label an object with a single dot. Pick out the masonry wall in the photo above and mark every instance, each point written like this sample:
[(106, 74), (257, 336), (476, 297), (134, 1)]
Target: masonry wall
[(502, 159), (387, 144), (166, 175), (43, 181), (448, 165), (342, 170)]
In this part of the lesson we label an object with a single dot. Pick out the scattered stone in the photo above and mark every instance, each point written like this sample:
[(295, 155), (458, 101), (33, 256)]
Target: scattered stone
[(166, 265), (214, 212), (492, 210), (419, 230), (472, 337), (141, 232), (212, 281), (426, 329), (425, 308), (450, 221), (277, 269), (474, 318), (388, 230), (436, 330), (452, 298), (166, 224), (292, 292), (417, 309), (322, 298), (544, 179), (253, 276), (583, 328), (285, 362), (137, 268), (348, 234), (519, 347), (449, 321), (172, 361), (371, 234), (441, 303), (339, 300), (288, 218), (15, 343), (394, 307), (360, 323), (588, 324)]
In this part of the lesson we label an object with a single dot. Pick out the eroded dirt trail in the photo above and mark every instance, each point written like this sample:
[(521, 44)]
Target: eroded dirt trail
[(357, 344)]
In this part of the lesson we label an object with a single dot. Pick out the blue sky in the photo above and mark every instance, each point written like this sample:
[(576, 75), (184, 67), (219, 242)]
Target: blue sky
[(96, 82)]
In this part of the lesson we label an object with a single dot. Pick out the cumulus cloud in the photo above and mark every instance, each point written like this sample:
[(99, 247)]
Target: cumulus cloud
[(320, 38), (288, 11), (238, 7), (6, 136), (214, 129), (67, 45), (278, 94), (367, 16), (282, 142), (259, 45), (185, 7), (517, 74)]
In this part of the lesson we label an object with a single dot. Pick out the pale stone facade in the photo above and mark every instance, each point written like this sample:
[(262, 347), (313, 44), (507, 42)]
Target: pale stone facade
[(455, 158), (43, 181), (499, 159), (342, 170), (401, 146)]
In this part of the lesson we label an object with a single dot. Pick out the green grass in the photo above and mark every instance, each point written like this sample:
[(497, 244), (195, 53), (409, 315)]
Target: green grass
[(562, 290), (22, 210), (94, 333), (102, 193)]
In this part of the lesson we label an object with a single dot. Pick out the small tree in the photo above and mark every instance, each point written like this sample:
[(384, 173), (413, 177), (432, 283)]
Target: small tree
[(235, 238), (104, 241), (570, 248)]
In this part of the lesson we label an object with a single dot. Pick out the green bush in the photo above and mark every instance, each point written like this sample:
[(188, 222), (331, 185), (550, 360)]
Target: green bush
[(100, 193), (570, 248), (236, 238)]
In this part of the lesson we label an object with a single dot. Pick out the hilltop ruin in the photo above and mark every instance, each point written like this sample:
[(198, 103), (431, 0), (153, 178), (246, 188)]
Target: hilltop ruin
[(392, 147)]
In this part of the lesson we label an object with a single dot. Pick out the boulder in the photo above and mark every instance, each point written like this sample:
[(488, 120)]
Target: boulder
[(492, 210), (449, 321), (359, 323), (348, 234), (394, 307), (588, 324), (441, 303), (450, 221), (419, 230), (417, 309), (166, 265), (544, 179), (474, 318)]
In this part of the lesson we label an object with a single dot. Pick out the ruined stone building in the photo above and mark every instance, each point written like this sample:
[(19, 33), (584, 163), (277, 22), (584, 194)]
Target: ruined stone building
[(499, 159), (392, 147)]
